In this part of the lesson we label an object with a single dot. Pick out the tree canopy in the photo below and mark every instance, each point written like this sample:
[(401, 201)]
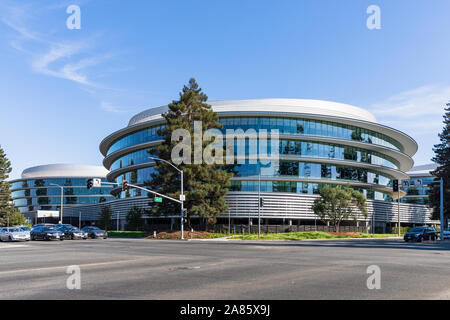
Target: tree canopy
[(442, 158), (205, 185), (105, 218), (8, 213), (339, 203), (134, 218)]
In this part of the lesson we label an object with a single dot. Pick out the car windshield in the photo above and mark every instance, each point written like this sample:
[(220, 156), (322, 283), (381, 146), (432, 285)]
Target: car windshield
[(25, 228), (14, 230), (48, 229), (416, 229), (94, 228), (74, 229)]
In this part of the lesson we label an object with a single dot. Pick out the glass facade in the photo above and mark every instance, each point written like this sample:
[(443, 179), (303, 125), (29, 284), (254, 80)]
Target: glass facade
[(293, 144), (142, 136), (418, 195), (30, 195), (293, 187)]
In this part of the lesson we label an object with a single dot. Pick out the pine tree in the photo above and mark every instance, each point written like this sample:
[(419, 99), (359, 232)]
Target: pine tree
[(205, 185), (8, 213), (442, 158)]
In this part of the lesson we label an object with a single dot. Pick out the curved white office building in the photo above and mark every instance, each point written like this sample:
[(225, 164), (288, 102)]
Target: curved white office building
[(320, 143), (40, 188)]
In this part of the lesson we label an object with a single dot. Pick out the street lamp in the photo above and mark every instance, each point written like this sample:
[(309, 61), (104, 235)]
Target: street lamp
[(182, 194), (62, 199)]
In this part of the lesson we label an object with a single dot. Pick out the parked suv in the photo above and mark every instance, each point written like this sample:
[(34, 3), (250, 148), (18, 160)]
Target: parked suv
[(421, 233)]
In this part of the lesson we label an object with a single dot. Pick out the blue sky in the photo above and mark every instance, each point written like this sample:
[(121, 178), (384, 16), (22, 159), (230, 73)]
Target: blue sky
[(62, 91)]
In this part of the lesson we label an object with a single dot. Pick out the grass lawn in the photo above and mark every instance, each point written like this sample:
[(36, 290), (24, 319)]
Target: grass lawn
[(312, 235)]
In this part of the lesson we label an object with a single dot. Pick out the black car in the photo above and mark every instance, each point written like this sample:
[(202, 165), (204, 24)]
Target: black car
[(72, 233), (46, 233), (95, 232), (421, 233)]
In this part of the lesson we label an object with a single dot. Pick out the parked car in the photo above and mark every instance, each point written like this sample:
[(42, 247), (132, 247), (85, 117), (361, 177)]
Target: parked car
[(446, 234), (14, 234), (46, 233), (24, 228), (72, 233), (62, 226), (95, 232), (421, 233)]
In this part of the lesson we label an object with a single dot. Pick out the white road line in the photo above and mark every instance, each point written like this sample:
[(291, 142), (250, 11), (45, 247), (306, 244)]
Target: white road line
[(80, 265), (12, 246)]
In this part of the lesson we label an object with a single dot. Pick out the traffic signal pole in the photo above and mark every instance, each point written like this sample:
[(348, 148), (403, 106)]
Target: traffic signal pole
[(398, 211)]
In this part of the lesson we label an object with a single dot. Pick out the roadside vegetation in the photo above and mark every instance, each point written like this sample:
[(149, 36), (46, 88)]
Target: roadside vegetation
[(268, 236), (312, 235), (165, 235)]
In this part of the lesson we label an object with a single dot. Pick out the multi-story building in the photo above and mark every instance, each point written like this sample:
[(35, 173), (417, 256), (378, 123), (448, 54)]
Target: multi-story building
[(320, 143), (421, 179), (40, 188)]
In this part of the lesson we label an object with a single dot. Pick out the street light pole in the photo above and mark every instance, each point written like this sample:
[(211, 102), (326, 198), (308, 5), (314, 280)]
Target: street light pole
[(182, 193), (259, 201), (441, 193)]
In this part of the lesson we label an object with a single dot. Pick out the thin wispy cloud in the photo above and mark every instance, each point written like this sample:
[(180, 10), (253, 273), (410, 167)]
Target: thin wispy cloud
[(417, 111), (108, 106), (75, 60)]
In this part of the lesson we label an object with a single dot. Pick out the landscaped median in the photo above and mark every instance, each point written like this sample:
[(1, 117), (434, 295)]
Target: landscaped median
[(312, 235), (165, 235), (269, 236)]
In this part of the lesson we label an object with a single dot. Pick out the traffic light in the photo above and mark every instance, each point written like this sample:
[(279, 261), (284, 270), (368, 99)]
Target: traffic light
[(89, 183), (395, 185), (124, 185), (261, 202)]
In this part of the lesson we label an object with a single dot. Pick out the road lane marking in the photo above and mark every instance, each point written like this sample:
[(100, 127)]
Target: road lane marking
[(81, 265), (11, 246)]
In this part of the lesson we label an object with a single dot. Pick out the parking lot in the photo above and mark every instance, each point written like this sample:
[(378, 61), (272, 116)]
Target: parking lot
[(171, 269)]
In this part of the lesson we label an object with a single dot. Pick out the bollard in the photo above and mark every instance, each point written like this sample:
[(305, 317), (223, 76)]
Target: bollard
[(154, 234), (192, 231)]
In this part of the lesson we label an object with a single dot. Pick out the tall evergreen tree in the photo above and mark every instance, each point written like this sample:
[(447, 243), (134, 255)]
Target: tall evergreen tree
[(442, 158), (205, 185), (8, 213)]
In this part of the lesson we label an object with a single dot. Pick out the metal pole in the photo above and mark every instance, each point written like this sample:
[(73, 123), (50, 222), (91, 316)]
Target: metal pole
[(442, 208), (398, 210), (182, 206), (79, 221), (118, 220), (259, 201), (229, 222), (62, 203)]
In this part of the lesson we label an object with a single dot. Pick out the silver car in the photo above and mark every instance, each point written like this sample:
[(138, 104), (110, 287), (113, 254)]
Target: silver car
[(14, 234)]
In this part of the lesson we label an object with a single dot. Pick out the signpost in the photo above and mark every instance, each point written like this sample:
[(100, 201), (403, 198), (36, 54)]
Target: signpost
[(97, 182)]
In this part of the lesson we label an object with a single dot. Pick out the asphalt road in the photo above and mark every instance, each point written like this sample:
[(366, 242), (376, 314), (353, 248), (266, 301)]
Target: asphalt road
[(160, 269)]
